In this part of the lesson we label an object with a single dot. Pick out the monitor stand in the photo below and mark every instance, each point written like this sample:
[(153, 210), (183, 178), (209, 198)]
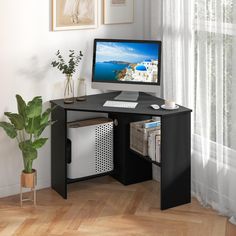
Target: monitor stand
[(127, 96)]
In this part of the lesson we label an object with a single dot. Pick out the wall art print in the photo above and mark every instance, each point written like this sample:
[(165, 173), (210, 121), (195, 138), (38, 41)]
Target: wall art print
[(74, 14)]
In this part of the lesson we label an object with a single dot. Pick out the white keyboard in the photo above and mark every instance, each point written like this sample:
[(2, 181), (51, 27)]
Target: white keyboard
[(120, 104)]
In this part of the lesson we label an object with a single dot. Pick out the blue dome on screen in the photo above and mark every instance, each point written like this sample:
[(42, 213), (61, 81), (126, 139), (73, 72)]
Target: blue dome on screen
[(148, 60), (141, 68)]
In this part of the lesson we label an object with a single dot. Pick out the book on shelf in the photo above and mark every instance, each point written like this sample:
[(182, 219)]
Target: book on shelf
[(154, 145), (151, 148), (152, 124), (158, 149)]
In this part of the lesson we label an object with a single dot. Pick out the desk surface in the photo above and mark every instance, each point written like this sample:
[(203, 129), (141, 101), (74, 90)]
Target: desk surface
[(95, 103)]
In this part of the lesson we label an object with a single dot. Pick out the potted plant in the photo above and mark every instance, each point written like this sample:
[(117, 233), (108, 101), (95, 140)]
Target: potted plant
[(26, 127), (68, 69)]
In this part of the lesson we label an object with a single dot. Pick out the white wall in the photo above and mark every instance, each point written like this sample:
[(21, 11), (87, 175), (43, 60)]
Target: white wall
[(155, 19), (27, 46)]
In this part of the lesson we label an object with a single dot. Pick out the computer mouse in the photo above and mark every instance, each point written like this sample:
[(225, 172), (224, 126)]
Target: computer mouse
[(155, 106)]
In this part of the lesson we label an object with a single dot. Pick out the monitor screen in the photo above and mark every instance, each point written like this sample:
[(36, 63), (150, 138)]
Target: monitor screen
[(127, 61)]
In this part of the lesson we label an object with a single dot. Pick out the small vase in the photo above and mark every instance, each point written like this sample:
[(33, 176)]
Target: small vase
[(69, 90), (81, 90)]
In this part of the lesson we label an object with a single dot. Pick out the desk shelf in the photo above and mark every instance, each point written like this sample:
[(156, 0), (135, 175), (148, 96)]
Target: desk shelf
[(146, 158)]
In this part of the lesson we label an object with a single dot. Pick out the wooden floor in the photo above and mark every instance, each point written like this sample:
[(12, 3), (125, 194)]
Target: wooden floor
[(104, 207)]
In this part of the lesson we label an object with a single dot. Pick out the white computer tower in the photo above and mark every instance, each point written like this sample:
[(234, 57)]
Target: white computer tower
[(91, 147)]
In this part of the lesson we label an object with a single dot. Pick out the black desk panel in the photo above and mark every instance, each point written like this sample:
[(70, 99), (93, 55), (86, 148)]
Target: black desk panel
[(95, 103)]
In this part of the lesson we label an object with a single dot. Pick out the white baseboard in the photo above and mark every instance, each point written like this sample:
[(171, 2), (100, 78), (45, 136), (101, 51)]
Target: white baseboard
[(15, 188), (46, 183)]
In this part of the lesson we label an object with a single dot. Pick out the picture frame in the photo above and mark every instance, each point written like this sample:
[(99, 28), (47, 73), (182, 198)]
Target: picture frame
[(118, 11), (74, 14)]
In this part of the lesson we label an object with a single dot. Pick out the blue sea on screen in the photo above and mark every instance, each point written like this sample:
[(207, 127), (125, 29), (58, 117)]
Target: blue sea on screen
[(107, 71)]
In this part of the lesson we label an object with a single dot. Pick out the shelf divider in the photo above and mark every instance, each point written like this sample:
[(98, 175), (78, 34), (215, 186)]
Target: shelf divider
[(147, 158)]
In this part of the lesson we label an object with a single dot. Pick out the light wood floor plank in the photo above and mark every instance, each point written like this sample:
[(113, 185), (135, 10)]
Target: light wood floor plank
[(104, 207)]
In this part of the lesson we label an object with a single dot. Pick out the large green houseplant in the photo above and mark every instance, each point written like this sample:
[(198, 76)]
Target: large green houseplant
[(26, 127)]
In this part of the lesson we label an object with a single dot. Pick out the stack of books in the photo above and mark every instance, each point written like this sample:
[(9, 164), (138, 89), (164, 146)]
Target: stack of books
[(154, 140)]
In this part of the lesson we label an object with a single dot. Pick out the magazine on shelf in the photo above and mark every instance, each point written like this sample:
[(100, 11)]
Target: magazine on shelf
[(152, 141), (151, 148), (158, 149)]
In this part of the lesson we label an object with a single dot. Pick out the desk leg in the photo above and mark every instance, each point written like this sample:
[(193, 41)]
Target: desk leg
[(58, 151), (176, 160)]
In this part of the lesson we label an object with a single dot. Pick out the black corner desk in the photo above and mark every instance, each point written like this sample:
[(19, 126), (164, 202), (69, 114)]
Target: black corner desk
[(129, 167)]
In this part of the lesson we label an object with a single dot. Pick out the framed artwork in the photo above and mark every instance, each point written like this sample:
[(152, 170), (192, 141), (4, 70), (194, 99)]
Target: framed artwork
[(118, 11), (74, 14)]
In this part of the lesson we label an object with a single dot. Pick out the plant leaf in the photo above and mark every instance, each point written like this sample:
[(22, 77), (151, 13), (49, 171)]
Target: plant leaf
[(42, 128), (21, 105), (33, 125), (39, 143), (28, 151), (34, 107), (16, 119), (38, 132), (45, 116), (9, 129)]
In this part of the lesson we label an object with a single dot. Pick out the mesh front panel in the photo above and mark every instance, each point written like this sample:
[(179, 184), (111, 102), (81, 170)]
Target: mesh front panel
[(104, 148)]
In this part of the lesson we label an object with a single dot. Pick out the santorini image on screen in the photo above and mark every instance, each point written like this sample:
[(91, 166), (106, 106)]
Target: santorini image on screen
[(126, 62)]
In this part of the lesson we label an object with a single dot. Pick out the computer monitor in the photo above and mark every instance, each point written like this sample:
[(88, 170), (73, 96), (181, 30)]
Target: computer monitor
[(130, 66)]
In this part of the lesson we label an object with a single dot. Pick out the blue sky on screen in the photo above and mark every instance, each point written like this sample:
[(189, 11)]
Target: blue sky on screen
[(127, 52)]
